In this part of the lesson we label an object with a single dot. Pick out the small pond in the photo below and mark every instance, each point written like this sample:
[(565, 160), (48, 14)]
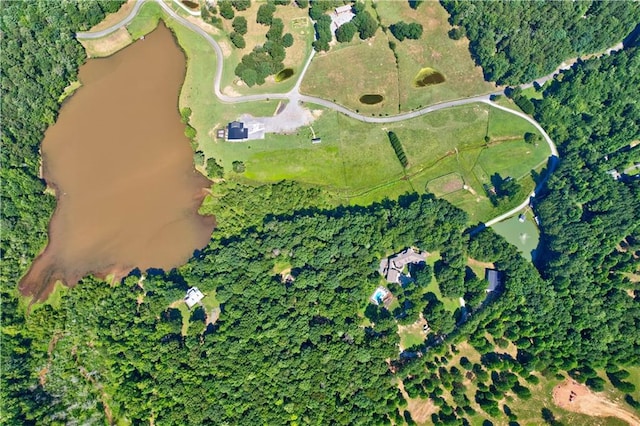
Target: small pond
[(524, 235), (371, 99), (284, 74), (428, 77), (191, 4)]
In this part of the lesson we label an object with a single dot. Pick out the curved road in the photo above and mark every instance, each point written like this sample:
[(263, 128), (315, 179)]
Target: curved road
[(294, 95)]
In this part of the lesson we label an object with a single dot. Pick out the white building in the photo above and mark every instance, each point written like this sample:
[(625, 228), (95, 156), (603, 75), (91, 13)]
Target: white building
[(341, 16), (193, 297)]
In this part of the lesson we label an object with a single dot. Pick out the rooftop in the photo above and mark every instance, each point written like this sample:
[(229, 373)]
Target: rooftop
[(236, 131), (194, 295), (392, 267), (495, 279)]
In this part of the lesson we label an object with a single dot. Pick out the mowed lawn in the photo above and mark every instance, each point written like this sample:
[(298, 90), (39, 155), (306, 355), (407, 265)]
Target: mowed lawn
[(356, 163), (435, 50), (347, 72)]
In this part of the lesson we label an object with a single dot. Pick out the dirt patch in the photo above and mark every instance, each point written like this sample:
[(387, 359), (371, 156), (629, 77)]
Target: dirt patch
[(420, 409), (207, 27), (108, 45), (575, 397), (487, 265), (213, 316)]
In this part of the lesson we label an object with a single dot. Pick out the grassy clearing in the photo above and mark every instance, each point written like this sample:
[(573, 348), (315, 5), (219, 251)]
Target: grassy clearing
[(359, 68), (351, 70), (445, 184), (108, 45), (295, 21), (355, 160), (146, 20), (412, 335)]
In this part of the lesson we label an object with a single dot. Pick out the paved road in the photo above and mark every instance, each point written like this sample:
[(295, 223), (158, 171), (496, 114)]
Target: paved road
[(294, 96), (107, 31)]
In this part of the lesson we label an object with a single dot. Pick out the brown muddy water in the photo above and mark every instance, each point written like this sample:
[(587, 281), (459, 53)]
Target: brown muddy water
[(123, 171)]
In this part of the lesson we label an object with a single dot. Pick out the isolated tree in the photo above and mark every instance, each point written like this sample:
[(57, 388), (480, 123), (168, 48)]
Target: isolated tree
[(214, 170), (240, 25), (302, 4), (287, 40), (366, 24), (265, 14), (346, 32), (237, 40), (226, 10), (402, 30)]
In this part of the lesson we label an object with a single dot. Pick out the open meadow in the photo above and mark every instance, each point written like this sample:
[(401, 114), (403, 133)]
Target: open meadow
[(357, 68)]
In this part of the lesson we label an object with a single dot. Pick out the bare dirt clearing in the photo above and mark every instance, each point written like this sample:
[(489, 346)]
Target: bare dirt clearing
[(575, 397)]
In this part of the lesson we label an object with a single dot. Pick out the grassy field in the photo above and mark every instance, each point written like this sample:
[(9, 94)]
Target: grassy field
[(358, 68), (295, 21), (356, 163), (350, 70), (145, 21)]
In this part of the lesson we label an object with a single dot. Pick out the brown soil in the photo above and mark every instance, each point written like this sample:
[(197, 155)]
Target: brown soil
[(127, 192), (575, 397), (486, 265)]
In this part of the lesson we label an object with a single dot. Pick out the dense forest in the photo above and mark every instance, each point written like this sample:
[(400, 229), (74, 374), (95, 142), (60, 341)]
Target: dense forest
[(40, 57), (517, 42), (589, 219)]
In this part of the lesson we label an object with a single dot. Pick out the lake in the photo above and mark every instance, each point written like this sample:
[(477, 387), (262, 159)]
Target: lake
[(126, 188)]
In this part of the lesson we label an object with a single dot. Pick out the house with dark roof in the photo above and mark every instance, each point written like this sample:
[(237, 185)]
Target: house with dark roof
[(236, 132), (393, 267), (495, 279)]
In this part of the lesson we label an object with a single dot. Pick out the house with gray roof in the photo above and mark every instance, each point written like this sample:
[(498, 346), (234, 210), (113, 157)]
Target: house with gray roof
[(494, 278), (392, 268)]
